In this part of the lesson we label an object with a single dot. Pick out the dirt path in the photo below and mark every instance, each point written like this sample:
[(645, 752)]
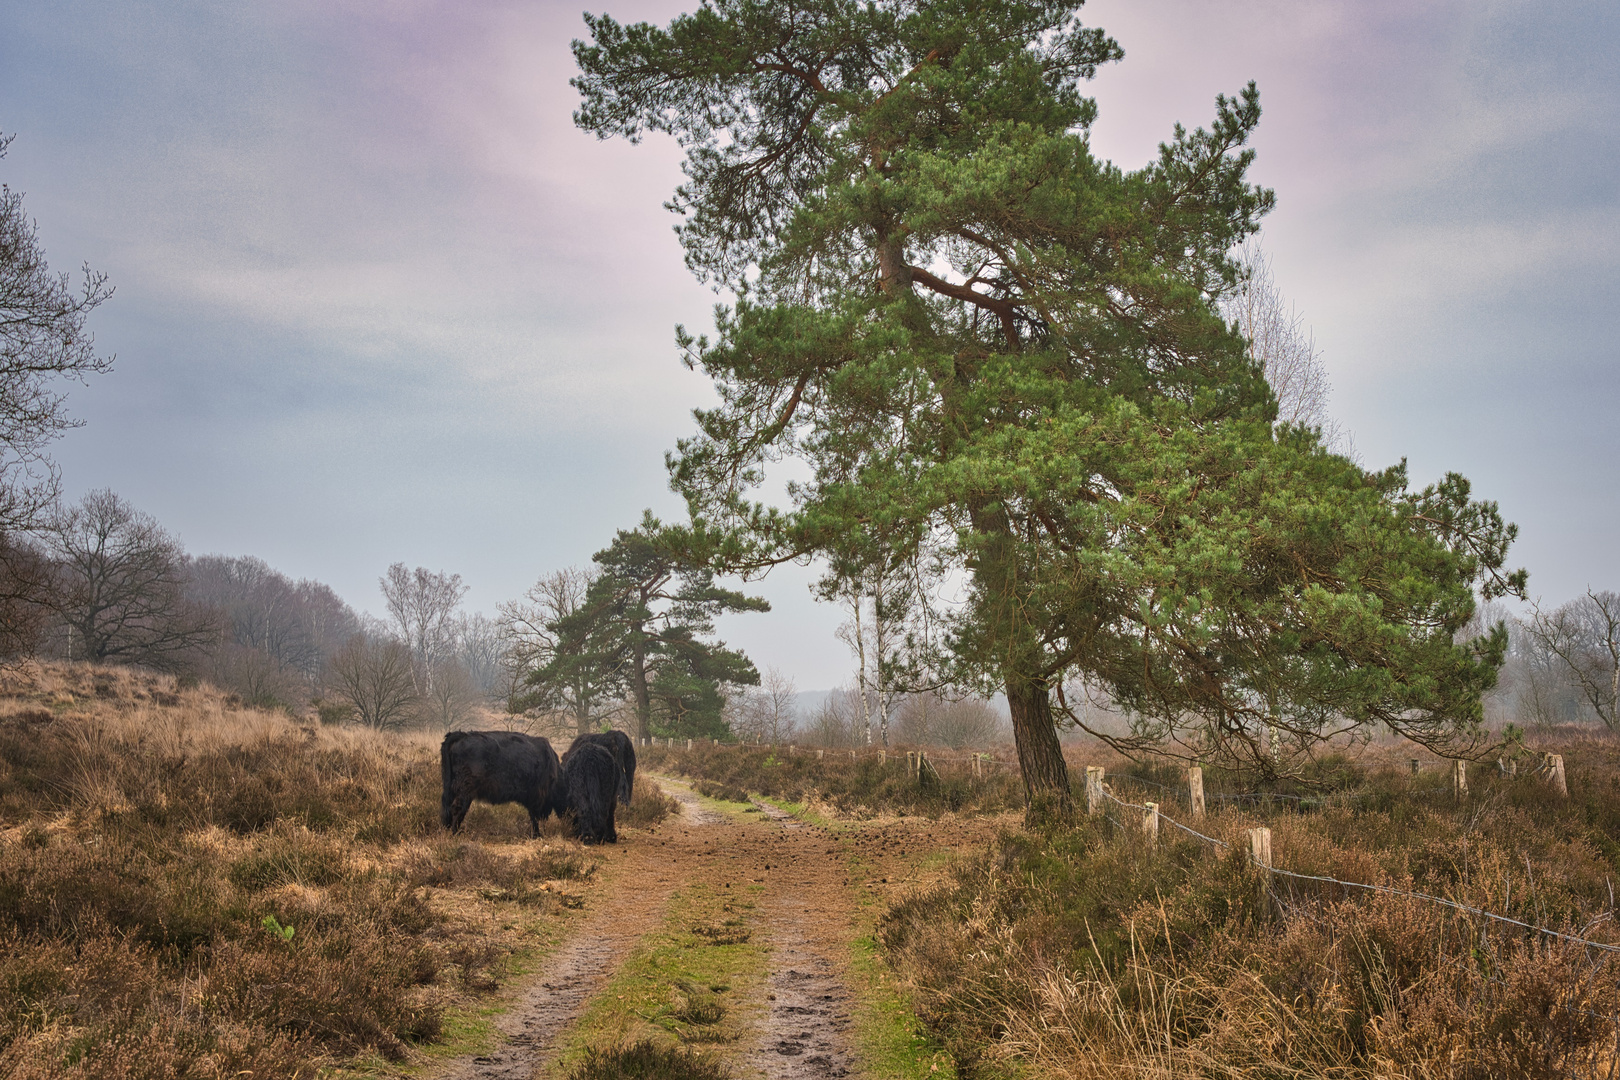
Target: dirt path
[(577, 971), (806, 1030), (806, 914)]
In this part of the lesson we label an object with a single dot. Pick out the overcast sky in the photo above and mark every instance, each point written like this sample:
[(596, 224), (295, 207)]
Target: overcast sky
[(379, 301)]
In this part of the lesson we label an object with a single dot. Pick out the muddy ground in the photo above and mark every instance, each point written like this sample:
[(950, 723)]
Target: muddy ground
[(818, 886)]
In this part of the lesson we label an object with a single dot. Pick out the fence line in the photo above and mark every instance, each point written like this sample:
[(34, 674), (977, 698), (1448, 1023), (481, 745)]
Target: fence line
[(1362, 885), (925, 759)]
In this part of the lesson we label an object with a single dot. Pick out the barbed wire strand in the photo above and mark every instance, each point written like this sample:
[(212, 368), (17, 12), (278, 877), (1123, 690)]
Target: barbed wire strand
[(1390, 890)]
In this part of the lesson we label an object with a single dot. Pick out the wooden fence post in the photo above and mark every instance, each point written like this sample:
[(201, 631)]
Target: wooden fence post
[(689, 744), (1094, 783), (1150, 822), (1459, 779), (852, 755), (818, 755), (1195, 790), (1416, 765), (1555, 773), (978, 766), (1260, 846)]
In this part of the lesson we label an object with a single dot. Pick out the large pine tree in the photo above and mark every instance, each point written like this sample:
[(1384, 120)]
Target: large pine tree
[(999, 356)]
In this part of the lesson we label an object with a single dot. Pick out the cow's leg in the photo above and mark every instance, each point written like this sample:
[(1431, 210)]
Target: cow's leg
[(458, 812)]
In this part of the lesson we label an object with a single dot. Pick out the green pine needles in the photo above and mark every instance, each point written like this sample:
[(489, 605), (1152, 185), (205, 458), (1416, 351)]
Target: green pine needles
[(1002, 363)]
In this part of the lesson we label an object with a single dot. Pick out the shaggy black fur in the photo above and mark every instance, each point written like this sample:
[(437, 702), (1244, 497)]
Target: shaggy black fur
[(497, 767), (590, 780), (623, 750)]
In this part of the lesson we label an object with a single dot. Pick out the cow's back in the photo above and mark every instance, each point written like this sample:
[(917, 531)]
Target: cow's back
[(498, 766)]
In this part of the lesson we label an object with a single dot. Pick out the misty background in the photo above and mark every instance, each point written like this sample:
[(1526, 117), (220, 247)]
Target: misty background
[(379, 302)]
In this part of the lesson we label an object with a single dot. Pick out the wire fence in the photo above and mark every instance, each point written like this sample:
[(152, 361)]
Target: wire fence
[(1387, 889), (981, 763)]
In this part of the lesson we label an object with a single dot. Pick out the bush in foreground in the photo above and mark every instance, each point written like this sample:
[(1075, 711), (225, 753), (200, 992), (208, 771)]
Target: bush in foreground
[(190, 888), (1085, 952), (646, 1060)]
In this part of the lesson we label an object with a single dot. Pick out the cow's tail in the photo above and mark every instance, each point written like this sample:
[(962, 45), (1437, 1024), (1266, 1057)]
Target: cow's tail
[(446, 775)]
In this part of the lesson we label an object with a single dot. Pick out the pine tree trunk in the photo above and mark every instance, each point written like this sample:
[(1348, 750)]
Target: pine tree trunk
[(638, 684), (1040, 755)]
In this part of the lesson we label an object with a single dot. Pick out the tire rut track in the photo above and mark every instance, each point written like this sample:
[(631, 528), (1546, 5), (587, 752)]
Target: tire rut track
[(633, 897), (806, 1031)]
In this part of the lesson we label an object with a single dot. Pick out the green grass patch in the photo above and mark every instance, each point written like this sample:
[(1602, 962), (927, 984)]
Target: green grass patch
[(693, 982), (725, 808), (894, 1044)]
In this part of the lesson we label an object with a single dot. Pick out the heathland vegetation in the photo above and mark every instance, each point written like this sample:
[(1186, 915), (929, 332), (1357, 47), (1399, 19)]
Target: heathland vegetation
[(1099, 949), (1060, 449), (194, 887)]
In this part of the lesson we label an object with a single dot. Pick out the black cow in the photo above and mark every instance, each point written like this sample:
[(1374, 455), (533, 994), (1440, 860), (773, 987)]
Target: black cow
[(623, 750), (497, 767), (590, 780)]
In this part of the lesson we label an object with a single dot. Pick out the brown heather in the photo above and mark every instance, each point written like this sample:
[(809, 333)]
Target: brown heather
[(838, 786), (149, 831), (1085, 952)]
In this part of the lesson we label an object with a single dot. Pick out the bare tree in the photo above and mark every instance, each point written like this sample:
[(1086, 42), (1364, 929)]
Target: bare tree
[(297, 626), (836, 721), (42, 339), (375, 675), (1281, 342), (932, 717), (879, 602), (530, 626), (767, 713), (481, 647), (120, 585), (422, 605), (453, 696), (1584, 636), (26, 583), (253, 675)]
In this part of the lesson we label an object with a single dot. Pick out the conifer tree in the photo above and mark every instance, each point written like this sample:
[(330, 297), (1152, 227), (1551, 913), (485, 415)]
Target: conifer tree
[(1000, 356), (645, 627)]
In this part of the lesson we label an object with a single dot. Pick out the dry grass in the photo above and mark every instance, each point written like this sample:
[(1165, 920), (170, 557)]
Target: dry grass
[(1086, 953), (834, 784), (649, 806), (157, 843)]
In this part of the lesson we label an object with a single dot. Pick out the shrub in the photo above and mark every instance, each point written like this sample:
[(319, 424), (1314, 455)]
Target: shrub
[(646, 1060), (649, 805), (858, 788), (151, 839), (1086, 952)]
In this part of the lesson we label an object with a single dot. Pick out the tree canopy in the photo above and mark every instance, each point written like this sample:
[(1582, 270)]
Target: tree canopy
[(42, 338), (1000, 357), (643, 629)]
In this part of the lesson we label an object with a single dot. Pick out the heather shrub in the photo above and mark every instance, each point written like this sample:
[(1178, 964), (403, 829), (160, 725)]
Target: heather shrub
[(1086, 951), (859, 788), (192, 888)]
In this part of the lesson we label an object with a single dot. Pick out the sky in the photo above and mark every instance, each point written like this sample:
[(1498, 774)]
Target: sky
[(379, 301)]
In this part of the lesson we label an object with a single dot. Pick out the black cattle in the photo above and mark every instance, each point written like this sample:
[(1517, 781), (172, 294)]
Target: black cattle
[(497, 767), (623, 750), (590, 782)]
